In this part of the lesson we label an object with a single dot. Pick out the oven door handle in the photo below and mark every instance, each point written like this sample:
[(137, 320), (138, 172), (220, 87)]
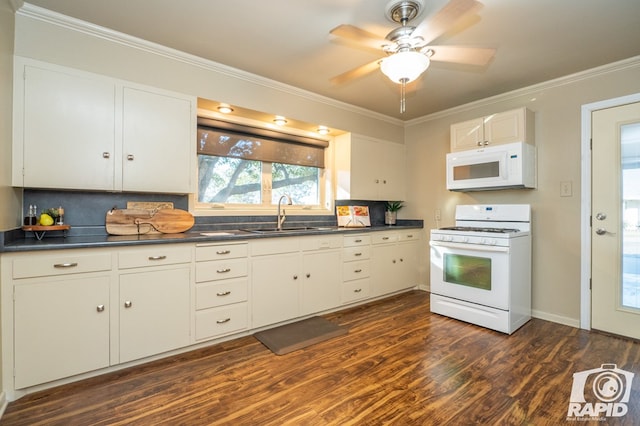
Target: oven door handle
[(463, 246)]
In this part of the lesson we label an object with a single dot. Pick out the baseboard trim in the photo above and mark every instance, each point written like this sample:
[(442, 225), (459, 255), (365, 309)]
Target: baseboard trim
[(571, 322), (3, 404)]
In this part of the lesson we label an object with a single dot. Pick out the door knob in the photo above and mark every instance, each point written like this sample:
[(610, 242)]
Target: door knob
[(601, 216), (602, 231)]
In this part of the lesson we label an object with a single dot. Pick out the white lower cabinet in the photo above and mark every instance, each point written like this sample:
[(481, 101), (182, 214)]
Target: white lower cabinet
[(154, 312), (394, 257), (303, 278), (61, 328)]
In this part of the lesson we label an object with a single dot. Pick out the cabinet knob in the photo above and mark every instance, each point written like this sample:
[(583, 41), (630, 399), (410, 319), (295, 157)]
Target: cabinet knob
[(394, 261), (401, 260), (130, 157), (100, 308), (128, 304), (106, 155), (479, 143), (384, 181), (295, 277), (486, 143), (377, 180), (308, 275)]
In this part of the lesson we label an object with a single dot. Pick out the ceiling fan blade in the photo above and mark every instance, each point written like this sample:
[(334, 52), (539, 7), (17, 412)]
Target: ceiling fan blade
[(356, 72), (430, 29), (359, 35), (461, 54)]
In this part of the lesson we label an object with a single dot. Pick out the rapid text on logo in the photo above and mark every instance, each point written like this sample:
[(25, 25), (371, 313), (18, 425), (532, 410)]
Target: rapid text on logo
[(601, 392)]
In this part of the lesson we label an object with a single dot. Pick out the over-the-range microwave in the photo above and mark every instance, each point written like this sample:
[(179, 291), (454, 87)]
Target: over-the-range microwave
[(504, 166)]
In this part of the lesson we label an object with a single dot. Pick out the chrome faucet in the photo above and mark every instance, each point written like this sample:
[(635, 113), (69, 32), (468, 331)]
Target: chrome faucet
[(283, 216)]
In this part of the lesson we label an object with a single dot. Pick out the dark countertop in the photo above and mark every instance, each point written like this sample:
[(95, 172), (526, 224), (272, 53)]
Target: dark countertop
[(216, 235)]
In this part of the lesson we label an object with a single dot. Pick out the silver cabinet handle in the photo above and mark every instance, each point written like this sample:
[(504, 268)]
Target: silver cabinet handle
[(157, 257), (100, 308), (223, 252), (66, 265), (128, 304), (130, 157), (106, 155), (357, 271), (223, 271), (223, 293), (222, 321)]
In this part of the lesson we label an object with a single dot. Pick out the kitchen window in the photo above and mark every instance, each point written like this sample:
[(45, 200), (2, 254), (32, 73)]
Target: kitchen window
[(242, 166)]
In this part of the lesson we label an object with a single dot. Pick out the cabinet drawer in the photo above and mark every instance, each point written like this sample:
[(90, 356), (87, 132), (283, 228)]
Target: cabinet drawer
[(220, 251), (355, 270), (409, 235), (356, 240), (60, 264), (221, 269), (320, 243), (221, 293), (356, 290), (154, 256), (384, 237), (218, 321), (356, 253), (269, 246)]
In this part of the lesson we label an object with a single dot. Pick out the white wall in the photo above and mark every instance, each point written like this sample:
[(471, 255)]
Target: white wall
[(556, 220), (67, 43)]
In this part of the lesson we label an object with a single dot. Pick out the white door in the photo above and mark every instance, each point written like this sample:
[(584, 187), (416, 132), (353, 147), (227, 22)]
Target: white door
[(615, 214)]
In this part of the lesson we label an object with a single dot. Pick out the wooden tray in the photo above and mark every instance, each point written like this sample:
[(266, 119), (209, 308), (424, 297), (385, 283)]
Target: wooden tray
[(40, 230)]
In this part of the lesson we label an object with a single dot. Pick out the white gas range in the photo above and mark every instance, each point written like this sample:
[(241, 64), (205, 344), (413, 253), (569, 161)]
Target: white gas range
[(481, 268)]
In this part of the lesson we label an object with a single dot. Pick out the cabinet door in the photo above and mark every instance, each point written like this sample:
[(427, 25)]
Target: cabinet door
[(68, 131), (158, 148), (154, 312), (384, 269), (275, 289), (505, 127), (467, 135), (61, 328), (377, 170), (393, 167), (408, 265), (320, 282)]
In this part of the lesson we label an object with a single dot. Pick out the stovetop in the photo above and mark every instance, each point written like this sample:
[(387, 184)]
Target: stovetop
[(480, 229)]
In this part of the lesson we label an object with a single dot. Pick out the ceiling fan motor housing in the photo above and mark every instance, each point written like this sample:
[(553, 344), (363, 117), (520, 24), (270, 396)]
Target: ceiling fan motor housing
[(403, 11)]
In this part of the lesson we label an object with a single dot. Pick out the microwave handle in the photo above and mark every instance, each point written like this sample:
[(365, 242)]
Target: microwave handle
[(477, 247)]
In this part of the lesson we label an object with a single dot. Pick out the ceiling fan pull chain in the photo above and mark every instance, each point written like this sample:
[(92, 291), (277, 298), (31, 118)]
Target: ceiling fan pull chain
[(402, 95)]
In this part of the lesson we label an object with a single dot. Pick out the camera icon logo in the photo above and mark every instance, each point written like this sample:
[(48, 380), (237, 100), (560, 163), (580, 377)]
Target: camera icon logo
[(603, 391)]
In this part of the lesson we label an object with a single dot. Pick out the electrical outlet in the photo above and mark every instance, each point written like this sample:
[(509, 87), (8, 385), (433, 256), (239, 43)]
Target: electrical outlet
[(437, 215), (566, 189)]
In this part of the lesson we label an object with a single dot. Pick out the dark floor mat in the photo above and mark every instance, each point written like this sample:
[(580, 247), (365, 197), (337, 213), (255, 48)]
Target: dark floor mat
[(291, 337)]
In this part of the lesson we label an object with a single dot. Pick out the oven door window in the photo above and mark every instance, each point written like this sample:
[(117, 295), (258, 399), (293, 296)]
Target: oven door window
[(470, 271)]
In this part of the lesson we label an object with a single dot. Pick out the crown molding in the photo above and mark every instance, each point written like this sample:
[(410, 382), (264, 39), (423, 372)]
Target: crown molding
[(70, 23), (632, 62)]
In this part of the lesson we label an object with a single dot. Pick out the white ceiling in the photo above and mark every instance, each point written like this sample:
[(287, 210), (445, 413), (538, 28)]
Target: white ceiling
[(289, 41)]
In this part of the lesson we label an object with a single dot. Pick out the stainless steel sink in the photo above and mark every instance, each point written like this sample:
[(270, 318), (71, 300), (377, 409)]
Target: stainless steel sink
[(289, 229)]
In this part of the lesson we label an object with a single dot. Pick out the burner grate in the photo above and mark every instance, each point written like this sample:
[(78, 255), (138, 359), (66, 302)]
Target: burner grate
[(480, 229)]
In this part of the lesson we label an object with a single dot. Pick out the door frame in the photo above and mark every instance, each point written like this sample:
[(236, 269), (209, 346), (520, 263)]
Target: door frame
[(585, 201)]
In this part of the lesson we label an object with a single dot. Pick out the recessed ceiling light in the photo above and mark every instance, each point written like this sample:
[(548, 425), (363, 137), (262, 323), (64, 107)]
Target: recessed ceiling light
[(323, 130), (280, 121), (225, 109)]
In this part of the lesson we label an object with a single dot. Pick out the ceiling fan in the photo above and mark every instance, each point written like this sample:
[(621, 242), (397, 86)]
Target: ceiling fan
[(407, 47)]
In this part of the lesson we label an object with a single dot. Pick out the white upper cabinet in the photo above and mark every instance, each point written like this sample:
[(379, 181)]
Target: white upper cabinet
[(369, 169), (77, 130), (506, 127)]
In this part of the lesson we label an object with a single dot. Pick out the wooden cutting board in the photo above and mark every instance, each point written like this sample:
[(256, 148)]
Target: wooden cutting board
[(141, 221)]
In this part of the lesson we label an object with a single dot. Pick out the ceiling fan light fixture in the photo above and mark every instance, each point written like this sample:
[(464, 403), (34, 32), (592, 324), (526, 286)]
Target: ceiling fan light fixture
[(404, 67)]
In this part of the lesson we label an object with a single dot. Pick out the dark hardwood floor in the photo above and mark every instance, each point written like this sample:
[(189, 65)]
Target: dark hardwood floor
[(399, 365)]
